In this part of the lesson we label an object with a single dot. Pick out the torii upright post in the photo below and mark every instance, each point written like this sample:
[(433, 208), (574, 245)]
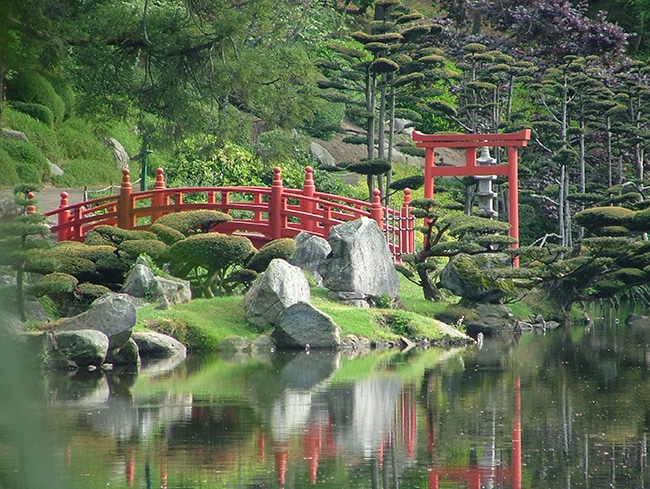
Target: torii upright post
[(469, 142)]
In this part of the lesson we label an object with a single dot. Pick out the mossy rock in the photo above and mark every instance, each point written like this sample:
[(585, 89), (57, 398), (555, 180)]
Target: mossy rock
[(283, 248), (471, 277), (193, 222)]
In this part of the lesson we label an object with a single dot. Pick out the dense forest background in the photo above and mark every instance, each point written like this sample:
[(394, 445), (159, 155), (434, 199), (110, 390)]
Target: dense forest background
[(220, 91)]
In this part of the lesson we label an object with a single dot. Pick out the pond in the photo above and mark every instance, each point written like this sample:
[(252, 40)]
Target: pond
[(564, 409)]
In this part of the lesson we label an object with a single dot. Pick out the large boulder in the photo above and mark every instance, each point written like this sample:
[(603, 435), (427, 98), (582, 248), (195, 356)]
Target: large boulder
[(143, 283), (279, 287), (491, 320), (303, 326), (157, 345), (324, 157), (310, 252), (360, 263), (75, 349), (128, 355), (113, 314), (468, 277)]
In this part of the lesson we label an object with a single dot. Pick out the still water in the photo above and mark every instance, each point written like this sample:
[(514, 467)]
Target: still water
[(565, 409)]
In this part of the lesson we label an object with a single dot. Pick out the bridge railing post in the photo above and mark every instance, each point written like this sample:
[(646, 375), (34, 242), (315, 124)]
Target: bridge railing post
[(276, 204), (63, 218), (407, 230), (308, 205), (125, 205), (159, 196), (376, 209)]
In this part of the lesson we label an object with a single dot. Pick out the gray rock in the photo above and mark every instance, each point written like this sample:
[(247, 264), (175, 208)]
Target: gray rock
[(12, 134), (235, 344), (279, 287), (324, 158), (466, 276), (310, 252), (491, 320), (157, 345), (75, 349), (10, 325), (128, 354), (112, 314), (119, 153), (360, 261), (304, 326), (263, 344), (144, 284), (55, 170)]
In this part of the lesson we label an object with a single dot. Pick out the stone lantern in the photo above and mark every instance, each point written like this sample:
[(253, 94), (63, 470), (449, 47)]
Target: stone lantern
[(486, 196)]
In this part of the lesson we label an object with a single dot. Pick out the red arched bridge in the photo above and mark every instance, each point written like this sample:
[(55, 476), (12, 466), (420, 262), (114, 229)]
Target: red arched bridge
[(260, 213)]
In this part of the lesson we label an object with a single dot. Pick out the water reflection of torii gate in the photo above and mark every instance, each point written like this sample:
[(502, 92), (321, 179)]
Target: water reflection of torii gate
[(470, 142), (474, 475)]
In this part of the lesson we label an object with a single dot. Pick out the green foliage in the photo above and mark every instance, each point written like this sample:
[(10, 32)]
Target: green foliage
[(88, 292), (37, 111), (8, 173), (166, 234), (208, 259), (113, 236), (55, 285), (30, 163), (282, 248), (136, 247), (31, 87), (77, 138), (87, 172), (193, 222), (599, 217)]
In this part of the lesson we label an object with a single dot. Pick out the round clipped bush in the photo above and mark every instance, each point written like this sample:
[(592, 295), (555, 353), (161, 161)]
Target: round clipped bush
[(166, 234), (88, 292), (193, 222), (278, 248), (37, 111), (113, 236), (211, 251), (75, 265), (599, 217), (136, 247), (55, 284), (29, 86), (30, 162)]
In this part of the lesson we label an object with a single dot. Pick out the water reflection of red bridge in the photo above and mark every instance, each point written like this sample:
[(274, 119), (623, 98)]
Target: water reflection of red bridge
[(318, 442)]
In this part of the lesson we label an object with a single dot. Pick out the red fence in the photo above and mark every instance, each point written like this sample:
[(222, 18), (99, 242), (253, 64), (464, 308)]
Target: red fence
[(260, 213)]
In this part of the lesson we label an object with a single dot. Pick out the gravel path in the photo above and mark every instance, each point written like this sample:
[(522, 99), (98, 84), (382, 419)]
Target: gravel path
[(48, 199)]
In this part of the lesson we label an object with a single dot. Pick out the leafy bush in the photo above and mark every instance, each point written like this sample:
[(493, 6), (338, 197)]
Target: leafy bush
[(135, 247), (55, 285), (38, 133), (8, 174), (37, 111), (598, 217), (192, 222), (88, 172), (207, 260), (31, 163), (166, 234), (87, 292), (29, 86), (76, 136), (283, 248), (113, 236)]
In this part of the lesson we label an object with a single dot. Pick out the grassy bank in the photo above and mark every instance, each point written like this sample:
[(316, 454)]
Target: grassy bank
[(203, 323)]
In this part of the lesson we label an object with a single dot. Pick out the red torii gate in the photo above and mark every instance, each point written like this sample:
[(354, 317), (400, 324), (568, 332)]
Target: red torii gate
[(469, 142)]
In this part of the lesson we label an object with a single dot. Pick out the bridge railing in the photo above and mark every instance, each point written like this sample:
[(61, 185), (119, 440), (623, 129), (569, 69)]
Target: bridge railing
[(260, 213)]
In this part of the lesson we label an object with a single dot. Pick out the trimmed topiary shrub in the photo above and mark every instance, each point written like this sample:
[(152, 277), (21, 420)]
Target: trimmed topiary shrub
[(29, 86), (87, 292), (54, 285), (599, 217), (278, 248), (136, 247), (113, 236), (166, 234), (37, 111), (193, 222), (207, 260)]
